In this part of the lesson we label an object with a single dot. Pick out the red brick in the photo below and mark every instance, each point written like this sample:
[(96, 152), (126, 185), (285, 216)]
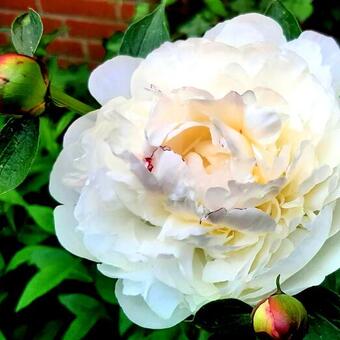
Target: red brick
[(90, 8), (67, 62), (128, 11), (4, 39), (96, 51), (91, 29), (51, 24), (66, 47), (18, 4), (6, 19)]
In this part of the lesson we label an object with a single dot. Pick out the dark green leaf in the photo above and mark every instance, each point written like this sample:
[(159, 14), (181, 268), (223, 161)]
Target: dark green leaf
[(321, 329), (229, 317), (26, 32), (285, 18), (79, 272), (87, 311), (332, 282), (322, 302), (49, 331), (105, 287), (143, 36), (124, 323), (31, 235), (18, 146), (3, 296), (2, 263)]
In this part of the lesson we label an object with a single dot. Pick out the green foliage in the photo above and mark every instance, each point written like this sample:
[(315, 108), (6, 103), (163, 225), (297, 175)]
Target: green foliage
[(27, 31), (105, 288), (285, 18), (55, 265), (146, 34), (229, 318), (87, 312), (18, 144)]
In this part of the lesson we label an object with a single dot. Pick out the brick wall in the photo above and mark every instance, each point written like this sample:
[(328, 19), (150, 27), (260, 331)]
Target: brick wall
[(88, 22)]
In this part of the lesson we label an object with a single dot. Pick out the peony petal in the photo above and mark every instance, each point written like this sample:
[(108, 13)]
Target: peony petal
[(62, 167), (67, 233), (322, 54), (112, 78), (261, 126), (247, 29), (138, 311), (326, 261), (198, 63), (307, 244), (244, 220)]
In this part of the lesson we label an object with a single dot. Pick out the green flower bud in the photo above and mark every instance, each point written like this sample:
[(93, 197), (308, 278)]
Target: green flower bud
[(280, 317), (23, 85)]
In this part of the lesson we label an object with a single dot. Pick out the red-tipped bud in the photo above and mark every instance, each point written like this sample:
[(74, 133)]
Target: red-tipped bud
[(280, 317), (23, 85)]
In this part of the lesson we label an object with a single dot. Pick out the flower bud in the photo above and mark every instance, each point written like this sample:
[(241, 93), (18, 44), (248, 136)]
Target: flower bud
[(280, 317), (23, 85)]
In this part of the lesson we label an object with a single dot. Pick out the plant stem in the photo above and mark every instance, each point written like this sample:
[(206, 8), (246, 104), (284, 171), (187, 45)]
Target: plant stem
[(62, 99), (278, 286)]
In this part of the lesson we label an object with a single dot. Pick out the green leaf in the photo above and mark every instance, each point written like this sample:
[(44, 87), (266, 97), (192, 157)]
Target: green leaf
[(2, 336), (217, 7), (47, 136), (26, 32), (105, 287), (146, 34), (49, 331), (46, 279), (243, 6), (13, 197), (64, 122), (285, 18), (55, 266), (30, 235), (321, 329), (80, 272), (302, 9), (18, 146), (43, 256), (332, 282), (30, 255), (42, 216), (229, 317), (322, 302), (124, 323), (87, 311), (2, 263), (3, 296)]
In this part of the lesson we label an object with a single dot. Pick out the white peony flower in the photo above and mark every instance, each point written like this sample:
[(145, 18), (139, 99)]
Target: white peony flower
[(212, 167)]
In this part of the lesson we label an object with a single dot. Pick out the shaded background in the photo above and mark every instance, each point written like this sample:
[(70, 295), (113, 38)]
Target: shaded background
[(84, 24)]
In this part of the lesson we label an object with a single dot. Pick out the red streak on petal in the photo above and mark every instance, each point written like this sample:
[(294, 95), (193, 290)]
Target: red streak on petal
[(148, 162)]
